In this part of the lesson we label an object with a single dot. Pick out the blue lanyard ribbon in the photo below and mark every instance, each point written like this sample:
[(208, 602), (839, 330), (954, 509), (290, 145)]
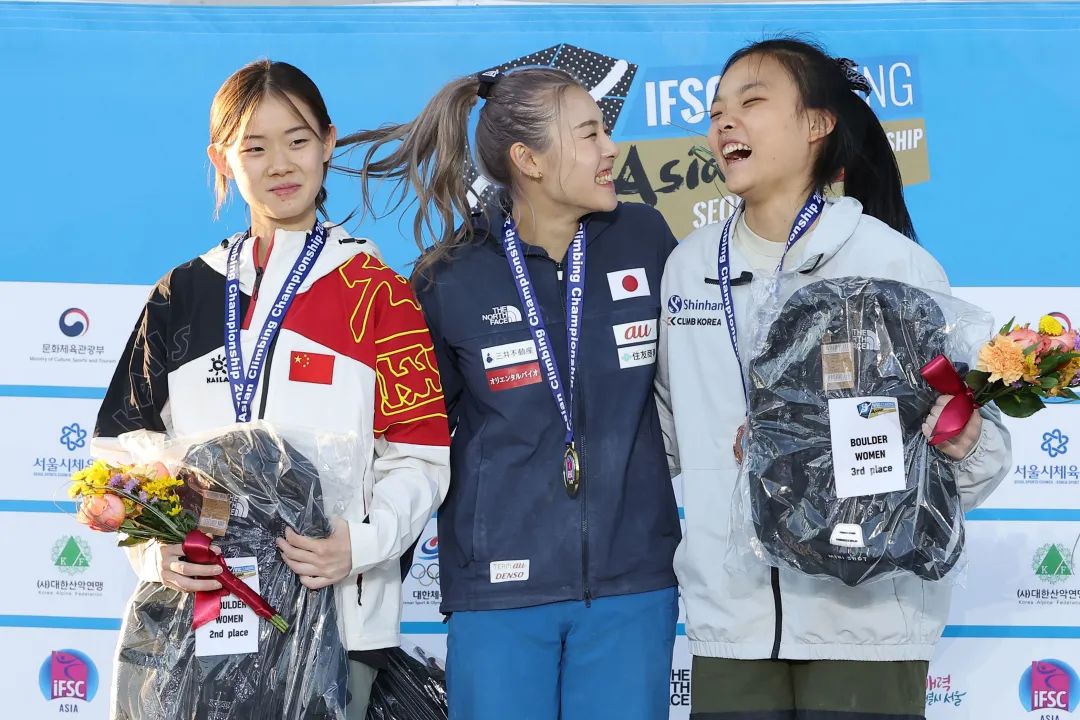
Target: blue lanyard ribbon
[(806, 217), (575, 302), (243, 383)]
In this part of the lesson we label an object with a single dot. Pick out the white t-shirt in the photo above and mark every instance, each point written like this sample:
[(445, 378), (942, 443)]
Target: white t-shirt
[(763, 255)]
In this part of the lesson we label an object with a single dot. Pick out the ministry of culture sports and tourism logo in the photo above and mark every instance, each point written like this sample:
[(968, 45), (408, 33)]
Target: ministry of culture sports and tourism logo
[(68, 675), (1055, 443), (71, 555), (74, 322), (1053, 563), (73, 437), (1048, 684)]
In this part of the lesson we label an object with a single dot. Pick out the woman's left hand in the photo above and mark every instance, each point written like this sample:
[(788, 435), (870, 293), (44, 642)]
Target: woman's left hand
[(958, 447), (319, 562)]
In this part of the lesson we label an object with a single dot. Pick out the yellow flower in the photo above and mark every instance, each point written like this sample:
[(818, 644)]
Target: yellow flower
[(1069, 371), (1049, 325), (1003, 359), (1031, 368)]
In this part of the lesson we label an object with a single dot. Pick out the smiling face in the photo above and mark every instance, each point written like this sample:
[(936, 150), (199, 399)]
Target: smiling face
[(575, 170), (761, 136), (278, 161)]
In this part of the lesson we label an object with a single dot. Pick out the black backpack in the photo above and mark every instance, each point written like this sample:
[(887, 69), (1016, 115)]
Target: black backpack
[(893, 330), (299, 675)]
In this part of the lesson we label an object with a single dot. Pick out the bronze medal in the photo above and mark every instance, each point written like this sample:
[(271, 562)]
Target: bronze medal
[(737, 446)]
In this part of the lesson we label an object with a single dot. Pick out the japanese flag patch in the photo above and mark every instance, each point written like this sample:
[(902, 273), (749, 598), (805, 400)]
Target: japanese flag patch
[(626, 284)]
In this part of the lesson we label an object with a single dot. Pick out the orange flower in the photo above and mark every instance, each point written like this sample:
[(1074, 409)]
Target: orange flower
[(1003, 358), (103, 513)]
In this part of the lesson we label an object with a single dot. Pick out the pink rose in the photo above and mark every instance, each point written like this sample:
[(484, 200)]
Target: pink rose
[(103, 513), (1026, 337), (1064, 342)]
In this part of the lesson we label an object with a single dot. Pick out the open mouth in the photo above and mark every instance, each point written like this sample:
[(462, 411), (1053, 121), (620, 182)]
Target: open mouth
[(733, 152), (603, 178)]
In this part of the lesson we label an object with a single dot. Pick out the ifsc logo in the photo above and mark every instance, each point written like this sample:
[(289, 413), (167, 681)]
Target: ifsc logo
[(1049, 684), (68, 675), (74, 322)]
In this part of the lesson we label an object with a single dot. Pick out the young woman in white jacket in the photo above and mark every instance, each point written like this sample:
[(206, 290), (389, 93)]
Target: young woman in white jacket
[(771, 644)]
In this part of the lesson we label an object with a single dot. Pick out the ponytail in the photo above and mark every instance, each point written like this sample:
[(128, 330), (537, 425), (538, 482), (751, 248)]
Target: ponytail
[(432, 159), (430, 162), (857, 147), (872, 176)]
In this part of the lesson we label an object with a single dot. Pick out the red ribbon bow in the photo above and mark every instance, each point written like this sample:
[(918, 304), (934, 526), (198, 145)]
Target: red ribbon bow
[(208, 603), (942, 376)]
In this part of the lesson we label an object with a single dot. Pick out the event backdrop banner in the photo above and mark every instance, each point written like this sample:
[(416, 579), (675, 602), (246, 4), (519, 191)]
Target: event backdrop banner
[(106, 187)]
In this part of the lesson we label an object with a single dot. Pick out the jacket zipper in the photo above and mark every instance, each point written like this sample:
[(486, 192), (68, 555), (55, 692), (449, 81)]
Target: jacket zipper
[(579, 444), (779, 607), (270, 351)]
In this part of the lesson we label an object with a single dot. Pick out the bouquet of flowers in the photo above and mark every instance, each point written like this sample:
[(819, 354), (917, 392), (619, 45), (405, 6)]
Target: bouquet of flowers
[(1017, 370), (141, 502)]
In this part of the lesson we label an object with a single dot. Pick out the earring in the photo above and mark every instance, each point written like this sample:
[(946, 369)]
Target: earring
[(538, 176)]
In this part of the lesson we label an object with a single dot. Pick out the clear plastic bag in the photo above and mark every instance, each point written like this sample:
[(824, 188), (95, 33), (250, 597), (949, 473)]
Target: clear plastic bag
[(411, 687), (837, 479), (246, 483)]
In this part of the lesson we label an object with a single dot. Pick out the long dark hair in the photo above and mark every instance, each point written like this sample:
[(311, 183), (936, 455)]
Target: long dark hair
[(432, 152), (857, 147)]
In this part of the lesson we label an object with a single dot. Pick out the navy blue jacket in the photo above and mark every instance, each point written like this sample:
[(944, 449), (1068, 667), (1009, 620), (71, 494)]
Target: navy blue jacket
[(509, 534)]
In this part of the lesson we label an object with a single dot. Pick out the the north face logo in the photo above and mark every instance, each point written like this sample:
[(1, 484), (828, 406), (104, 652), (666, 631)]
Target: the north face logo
[(503, 315)]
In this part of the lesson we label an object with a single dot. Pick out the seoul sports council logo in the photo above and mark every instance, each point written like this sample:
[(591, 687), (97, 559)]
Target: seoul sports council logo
[(1048, 685), (74, 322), (68, 675)]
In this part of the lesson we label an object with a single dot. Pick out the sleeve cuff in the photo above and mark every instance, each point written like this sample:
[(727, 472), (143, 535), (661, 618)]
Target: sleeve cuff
[(363, 540)]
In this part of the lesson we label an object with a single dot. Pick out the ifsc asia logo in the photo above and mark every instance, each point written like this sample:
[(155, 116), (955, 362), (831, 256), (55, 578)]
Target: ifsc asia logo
[(68, 675), (1049, 684), (74, 322)]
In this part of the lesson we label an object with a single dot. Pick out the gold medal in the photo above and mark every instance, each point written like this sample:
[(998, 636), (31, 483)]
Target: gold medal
[(571, 471), (737, 446)]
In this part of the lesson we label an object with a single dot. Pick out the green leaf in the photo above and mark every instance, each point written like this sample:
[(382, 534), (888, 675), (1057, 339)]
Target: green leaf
[(131, 541), (1069, 394), (1030, 349), (1048, 381), (1052, 361), (1007, 327), (976, 380), (1019, 405)]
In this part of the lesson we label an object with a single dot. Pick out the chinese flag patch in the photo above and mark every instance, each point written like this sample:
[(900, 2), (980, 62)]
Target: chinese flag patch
[(311, 367)]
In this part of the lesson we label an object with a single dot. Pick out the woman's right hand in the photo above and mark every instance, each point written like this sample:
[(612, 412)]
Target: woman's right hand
[(183, 575)]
